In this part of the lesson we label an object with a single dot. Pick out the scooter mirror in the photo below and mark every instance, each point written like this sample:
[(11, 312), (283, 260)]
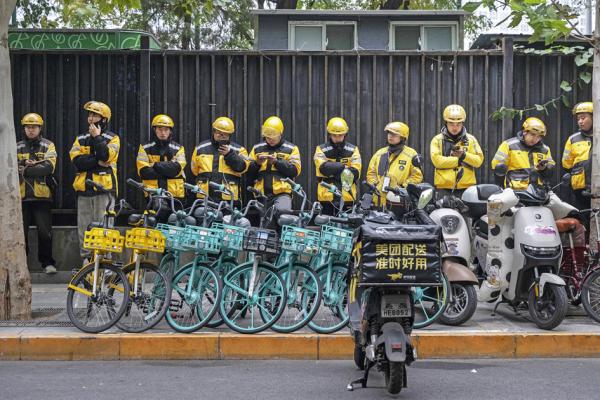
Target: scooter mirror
[(425, 198)]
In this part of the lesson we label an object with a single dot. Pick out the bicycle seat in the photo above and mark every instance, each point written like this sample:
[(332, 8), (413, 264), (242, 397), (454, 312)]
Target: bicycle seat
[(565, 225), (321, 219), (287, 219), (94, 225), (135, 219)]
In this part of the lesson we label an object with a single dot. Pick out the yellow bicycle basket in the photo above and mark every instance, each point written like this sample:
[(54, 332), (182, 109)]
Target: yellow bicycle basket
[(101, 239), (145, 239)]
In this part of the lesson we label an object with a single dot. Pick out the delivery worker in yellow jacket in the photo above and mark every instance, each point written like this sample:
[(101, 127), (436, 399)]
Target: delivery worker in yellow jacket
[(36, 157), (454, 149), (161, 162), (395, 165), (220, 160), (524, 156), (333, 160), (94, 155), (273, 160), (576, 157)]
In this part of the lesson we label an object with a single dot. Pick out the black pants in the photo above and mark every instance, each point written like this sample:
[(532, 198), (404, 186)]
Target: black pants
[(583, 203), (38, 212)]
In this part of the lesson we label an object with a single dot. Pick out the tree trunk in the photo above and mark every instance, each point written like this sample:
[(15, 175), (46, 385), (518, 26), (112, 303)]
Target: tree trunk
[(15, 301), (596, 129), (186, 37)]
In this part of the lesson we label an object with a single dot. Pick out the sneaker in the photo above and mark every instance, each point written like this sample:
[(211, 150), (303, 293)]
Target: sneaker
[(50, 269)]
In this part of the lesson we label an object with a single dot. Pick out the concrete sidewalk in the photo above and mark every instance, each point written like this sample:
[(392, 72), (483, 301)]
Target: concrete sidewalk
[(50, 336)]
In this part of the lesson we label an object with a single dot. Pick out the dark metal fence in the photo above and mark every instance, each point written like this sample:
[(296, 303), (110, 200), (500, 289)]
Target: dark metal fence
[(368, 89)]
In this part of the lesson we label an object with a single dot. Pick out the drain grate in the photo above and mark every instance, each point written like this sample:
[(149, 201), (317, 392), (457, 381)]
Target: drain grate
[(51, 317), (34, 324)]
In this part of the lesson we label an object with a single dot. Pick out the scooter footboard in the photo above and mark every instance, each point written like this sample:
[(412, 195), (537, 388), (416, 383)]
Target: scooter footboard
[(395, 341)]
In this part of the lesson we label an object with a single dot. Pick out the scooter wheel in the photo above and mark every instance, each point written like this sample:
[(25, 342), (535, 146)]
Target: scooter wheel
[(394, 377), (359, 356), (549, 310), (463, 305)]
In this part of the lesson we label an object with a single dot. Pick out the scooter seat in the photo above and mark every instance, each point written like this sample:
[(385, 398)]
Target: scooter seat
[(565, 225), (484, 191)]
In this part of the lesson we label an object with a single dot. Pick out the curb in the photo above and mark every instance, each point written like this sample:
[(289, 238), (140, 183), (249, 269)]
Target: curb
[(229, 346)]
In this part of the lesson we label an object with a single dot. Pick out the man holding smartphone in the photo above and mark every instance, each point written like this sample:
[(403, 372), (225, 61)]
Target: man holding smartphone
[(524, 157), (161, 164), (94, 155), (454, 149), (273, 160), (220, 160)]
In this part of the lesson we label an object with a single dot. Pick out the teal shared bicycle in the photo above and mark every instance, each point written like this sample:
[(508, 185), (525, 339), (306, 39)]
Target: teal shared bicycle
[(196, 288)]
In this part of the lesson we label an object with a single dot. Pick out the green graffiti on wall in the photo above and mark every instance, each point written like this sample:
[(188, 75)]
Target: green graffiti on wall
[(76, 40)]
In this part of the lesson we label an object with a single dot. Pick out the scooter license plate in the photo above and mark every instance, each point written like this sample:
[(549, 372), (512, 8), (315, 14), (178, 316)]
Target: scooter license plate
[(395, 306)]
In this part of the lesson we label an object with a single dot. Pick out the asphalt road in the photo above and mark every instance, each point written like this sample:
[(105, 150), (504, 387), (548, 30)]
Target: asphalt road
[(428, 379)]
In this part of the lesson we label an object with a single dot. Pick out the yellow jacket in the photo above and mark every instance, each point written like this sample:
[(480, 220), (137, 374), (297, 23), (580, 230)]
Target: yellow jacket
[(521, 161), (267, 177), (161, 165), (34, 183), (576, 159), (210, 166), (86, 154), (330, 162), (402, 167), (447, 166)]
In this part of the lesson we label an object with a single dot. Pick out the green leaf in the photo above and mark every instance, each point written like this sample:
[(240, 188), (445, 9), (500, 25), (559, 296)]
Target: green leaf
[(586, 77), (540, 107), (581, 59), (565, 101), (566, 86), (471, 6)]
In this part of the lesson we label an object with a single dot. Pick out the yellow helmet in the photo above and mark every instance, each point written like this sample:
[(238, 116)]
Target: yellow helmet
[(337, 126), (163, 120), (584, 107), (535, 126), (224, 124), (398, 128), (98, 108), (32, 119), (272, 127), (454, 113)]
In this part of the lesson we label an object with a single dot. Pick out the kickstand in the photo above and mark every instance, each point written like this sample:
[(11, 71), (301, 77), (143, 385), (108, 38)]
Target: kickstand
[(363, 380), (498, 302)]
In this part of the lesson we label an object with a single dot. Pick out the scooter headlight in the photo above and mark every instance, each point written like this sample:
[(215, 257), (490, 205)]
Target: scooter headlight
[(541, 252), (450, 223)]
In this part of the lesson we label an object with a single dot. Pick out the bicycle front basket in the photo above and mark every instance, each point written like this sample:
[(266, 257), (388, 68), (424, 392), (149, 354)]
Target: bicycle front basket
[(261, 240), (102, 239), (206, 240), (299, 240), (336, 240), (145, 239), (232, 236), (173, 236)]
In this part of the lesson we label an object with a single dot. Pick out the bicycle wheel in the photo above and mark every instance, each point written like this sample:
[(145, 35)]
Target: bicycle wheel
[(332, 315), (430, 303), (96, 312), (226, 267), (303, 298), (195, 295), (242, 312), (167, 265), (590, 295), (148, 304)]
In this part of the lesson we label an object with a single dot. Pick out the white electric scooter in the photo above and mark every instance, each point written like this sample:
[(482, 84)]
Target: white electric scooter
[(522, 233), (462, 301)]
